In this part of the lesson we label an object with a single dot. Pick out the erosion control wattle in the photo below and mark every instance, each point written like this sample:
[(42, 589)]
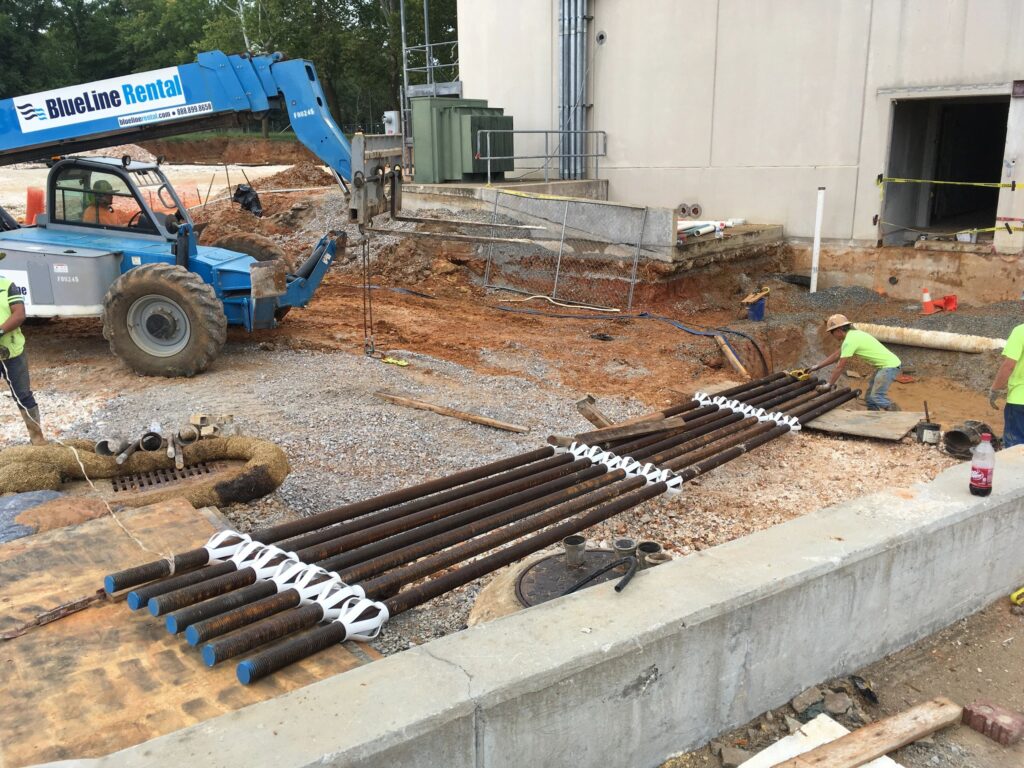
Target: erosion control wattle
[(342, 574)]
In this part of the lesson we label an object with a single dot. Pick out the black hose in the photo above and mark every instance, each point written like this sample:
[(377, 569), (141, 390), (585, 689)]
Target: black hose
[(631, 565)]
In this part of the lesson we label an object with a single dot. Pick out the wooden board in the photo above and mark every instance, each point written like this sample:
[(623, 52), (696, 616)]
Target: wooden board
[(881, 737), (105, 678), (881, 425), (818, 731)]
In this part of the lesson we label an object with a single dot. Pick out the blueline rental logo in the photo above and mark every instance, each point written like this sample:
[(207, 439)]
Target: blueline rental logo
[(28, 112), (116, 97)]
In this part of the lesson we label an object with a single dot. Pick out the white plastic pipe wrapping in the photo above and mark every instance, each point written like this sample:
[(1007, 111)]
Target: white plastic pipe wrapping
[(916, 337), (816, 250)]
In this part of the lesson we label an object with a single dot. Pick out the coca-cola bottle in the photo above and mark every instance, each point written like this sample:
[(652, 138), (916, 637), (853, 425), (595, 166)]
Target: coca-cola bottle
[(982, 465)]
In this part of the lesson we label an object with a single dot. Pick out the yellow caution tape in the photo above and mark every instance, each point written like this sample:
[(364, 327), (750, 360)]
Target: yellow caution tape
[(1012, 185), (1004, 228)]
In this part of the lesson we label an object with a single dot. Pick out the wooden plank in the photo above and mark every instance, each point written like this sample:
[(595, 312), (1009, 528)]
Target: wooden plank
[(821, 730), (630, 430), (879, 738), (589, 410), (102, 678), (423, 405), (733, 360), (882, 425)]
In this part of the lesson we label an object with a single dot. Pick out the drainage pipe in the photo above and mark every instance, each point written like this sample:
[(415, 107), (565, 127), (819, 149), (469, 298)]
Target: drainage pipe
[(917, 337)]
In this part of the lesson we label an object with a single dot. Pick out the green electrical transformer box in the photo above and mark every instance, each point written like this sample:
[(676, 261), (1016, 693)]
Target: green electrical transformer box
[(444, 140)]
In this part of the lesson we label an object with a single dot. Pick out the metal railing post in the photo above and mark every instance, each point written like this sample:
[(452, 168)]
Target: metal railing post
[(561, 245), (490, 244), (488, 158), (636, 261), (547, 156)]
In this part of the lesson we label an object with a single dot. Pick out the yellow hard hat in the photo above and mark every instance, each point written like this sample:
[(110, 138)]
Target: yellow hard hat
[(837, 321)]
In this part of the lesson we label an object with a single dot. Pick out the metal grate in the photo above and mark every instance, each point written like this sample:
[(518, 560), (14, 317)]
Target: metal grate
[(158, 478)]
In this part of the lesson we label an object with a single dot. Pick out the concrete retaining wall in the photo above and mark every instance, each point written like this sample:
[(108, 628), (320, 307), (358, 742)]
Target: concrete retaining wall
[(688, 650)]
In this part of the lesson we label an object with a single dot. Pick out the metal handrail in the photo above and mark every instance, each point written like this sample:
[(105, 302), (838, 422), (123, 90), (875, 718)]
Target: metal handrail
[(547, 156)]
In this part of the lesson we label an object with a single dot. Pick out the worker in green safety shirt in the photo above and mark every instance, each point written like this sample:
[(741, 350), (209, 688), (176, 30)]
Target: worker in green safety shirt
[(854, 343), (13, 363), (1009, 383)]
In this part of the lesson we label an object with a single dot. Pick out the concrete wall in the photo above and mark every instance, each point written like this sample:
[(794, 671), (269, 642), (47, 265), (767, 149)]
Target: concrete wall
[(749, 107), (687, 651)]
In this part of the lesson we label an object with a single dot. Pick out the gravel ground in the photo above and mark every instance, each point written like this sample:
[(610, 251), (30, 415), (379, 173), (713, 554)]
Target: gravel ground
[(344, 445)]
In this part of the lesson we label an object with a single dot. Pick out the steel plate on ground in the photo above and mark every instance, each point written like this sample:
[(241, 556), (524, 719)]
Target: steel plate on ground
[(549, 578)]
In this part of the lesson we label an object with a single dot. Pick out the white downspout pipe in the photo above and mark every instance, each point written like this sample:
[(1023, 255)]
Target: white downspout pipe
[(816, 250)]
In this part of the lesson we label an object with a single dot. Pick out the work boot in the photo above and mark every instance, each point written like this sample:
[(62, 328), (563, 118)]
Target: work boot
[(34, 425)]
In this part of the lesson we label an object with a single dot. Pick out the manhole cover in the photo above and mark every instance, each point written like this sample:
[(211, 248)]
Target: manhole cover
[(549, 578), (145, 481)]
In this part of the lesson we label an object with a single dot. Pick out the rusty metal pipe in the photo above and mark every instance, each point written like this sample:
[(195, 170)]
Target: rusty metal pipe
[(477, 487), (395, 550), (222, 623), (468, 572), (392, 580), (484, 503), (184, 618), (137, 598), (520, 519), (372, 559), (196, 558), (261, 633)]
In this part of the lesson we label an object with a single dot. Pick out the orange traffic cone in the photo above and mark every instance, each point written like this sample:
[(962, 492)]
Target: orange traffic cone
[(927, 305)]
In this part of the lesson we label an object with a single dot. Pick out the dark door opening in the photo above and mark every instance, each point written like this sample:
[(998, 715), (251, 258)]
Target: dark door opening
[(943, 140)]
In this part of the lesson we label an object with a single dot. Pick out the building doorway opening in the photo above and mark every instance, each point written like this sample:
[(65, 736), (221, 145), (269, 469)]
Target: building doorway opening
[(961, 140)]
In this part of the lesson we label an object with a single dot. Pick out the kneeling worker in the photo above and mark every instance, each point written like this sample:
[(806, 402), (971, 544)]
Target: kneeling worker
[(13, 363), (854, 343)]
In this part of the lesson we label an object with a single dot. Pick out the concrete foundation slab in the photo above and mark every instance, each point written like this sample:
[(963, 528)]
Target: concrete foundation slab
[(690, 649)]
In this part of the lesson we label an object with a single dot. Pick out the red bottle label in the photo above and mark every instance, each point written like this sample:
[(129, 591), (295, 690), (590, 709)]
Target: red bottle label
[(981, 478)]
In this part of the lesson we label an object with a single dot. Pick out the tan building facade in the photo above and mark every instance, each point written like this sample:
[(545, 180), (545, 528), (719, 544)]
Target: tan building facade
[(747, 107)]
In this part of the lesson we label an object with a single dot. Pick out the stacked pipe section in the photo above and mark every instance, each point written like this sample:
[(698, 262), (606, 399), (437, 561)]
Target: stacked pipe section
[(340, 575)]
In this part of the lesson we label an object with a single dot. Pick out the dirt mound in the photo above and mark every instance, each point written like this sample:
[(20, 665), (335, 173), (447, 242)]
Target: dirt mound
[(300, 175), (134, 151), (229, 149)]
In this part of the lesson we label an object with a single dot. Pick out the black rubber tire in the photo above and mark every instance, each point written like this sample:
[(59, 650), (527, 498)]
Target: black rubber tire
[(208, 326), (259, 247)]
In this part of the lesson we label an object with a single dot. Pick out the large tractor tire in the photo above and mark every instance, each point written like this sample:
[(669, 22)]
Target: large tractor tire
[(251, 244), (163, 320)]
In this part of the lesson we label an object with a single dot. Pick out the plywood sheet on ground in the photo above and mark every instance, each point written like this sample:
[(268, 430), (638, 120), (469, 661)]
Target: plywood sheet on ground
[(105, 678), (881, 425)]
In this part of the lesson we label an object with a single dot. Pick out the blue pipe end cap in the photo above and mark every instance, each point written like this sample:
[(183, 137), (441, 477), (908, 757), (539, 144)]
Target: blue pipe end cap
[(154, 606), (245, 671), (209, 655), (192, 635), (108, 585), (134, 601), (172, 625)]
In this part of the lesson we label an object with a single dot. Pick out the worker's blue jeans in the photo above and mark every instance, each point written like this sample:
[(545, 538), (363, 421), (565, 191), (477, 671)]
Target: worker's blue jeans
[(1013, 429), (15, 370), (877, 397)]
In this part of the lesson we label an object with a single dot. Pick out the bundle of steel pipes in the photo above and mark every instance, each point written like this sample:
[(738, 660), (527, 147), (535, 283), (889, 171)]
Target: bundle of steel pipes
[(341, 574)]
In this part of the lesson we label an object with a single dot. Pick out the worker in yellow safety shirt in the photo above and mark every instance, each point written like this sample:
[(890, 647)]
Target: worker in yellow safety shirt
[(13, 363), (1009, 382), (101, 211), (854, 343)]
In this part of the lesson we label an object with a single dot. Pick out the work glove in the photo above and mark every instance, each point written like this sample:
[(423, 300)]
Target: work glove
[(993, 397)]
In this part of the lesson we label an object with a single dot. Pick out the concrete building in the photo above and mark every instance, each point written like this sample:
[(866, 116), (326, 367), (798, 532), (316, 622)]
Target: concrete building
[(747, 107)]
